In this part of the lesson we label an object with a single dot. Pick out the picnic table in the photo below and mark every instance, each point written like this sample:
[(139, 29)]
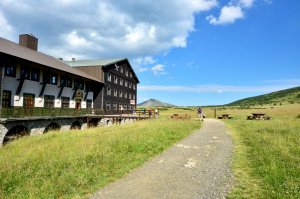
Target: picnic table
[(225, 116), (258, 116)]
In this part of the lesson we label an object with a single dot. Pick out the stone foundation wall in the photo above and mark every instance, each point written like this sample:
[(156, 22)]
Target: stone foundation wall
[(38, 126)]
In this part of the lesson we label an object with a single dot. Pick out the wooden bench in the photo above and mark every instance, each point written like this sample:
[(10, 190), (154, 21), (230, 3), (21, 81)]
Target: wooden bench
[(258, 116)]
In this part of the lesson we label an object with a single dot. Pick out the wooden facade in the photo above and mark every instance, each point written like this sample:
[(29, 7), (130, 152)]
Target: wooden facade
[(120, 82), (35, 81)]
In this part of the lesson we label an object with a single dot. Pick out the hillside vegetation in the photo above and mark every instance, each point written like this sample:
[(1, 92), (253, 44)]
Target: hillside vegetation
[(290, 96)]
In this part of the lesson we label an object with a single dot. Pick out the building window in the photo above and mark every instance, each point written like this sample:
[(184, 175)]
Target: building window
[(25, 72), (130, 74), (108, 91), (6, 99), (115, 79), (126, 73), (125, 106), (107, 106), (28, 101), (49, 101), (53, 78), (65, 102), (69, 82), (115, 106), (10, 70), (125, 95), (66, 81), (126, 83), (88, 104), (133, 96), (120, 94), (121, 81), (120, 106), (63, 81), (87, 86), (121, 70), (79, 84), (109, 77), (35, 74), (129, 96), (130, 85), (134, 87), (115, 93)]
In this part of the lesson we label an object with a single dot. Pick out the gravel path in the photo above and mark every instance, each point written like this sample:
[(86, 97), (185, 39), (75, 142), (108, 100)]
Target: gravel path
[(196, 167)]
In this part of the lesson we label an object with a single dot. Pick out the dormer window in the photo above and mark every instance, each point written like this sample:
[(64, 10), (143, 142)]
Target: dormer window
[(108, 91), (126, 73), (109, 77), (130, 74), (121, 70)]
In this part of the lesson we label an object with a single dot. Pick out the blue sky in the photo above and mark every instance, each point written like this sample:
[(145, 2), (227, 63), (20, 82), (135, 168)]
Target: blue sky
[(184, 52)]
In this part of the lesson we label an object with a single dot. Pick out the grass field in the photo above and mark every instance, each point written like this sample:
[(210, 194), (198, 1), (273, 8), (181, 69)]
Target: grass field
[(72, 164), (75, 163), (267, 153)]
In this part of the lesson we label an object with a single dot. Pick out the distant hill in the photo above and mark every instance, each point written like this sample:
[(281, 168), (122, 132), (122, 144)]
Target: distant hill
[(291, 95), (154, 103)]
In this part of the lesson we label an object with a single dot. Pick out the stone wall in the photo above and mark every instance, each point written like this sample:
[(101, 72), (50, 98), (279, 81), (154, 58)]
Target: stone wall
[(38, 126)]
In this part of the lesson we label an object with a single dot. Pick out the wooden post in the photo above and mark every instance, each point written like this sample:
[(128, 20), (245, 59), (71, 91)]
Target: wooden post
[(215, 113)]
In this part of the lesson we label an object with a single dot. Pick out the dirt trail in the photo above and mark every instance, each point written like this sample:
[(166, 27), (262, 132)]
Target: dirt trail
[(196, 167)]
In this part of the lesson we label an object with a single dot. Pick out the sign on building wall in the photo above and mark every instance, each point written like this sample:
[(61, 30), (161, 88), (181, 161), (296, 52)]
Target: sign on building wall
[(132, 102)]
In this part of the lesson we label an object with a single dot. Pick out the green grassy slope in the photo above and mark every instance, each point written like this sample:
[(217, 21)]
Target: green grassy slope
[(291, 95)]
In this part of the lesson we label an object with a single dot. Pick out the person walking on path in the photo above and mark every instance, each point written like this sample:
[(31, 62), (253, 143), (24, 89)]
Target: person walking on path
[(200, 113), (156, 112)]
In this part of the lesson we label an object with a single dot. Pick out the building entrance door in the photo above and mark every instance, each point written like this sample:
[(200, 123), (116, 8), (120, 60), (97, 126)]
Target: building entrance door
[(77, 106), (28, 101), (28, 104)]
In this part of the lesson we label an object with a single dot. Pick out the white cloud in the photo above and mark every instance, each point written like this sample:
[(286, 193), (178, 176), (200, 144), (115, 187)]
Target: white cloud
[(246, 3), (234, 10), (6, 29), (129, 28), (229, 14), (158, 69), (142, 64)]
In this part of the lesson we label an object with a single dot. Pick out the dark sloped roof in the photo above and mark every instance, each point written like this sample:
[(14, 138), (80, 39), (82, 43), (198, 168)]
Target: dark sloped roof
[(16, 50), (100, 63)]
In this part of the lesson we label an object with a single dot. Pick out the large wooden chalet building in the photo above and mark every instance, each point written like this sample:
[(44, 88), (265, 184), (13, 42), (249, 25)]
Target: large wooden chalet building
[(34, 81)]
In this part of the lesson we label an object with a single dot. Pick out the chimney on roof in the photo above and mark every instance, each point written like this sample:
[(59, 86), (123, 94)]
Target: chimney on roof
[(28, 41), (73, 59)]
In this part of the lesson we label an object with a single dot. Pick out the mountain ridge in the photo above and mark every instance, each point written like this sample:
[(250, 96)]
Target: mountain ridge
[(291, 95), (154, 102)]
